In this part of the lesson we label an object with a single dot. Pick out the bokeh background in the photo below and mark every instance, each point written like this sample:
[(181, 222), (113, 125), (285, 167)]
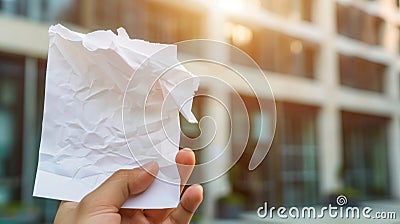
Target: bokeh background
[(334, 67)]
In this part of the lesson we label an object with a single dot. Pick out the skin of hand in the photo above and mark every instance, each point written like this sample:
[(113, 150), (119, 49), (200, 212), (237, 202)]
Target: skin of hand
[(103, 205)]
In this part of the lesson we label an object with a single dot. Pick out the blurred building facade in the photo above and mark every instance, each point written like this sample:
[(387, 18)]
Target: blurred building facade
[(23, 52), (333, 67)]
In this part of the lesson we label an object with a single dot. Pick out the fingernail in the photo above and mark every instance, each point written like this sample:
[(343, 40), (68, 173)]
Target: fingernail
[(187, 150), (151, 167), (198, 186)]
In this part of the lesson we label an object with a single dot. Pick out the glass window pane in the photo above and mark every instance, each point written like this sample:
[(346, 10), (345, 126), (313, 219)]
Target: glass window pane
[(365, 155), (11, 93), (288, 175)]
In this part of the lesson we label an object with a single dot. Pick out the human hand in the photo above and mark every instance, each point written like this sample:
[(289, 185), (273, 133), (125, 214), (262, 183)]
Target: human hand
[(103, 205)]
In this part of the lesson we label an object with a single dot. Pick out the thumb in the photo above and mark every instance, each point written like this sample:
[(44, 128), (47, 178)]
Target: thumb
[(118, 187)]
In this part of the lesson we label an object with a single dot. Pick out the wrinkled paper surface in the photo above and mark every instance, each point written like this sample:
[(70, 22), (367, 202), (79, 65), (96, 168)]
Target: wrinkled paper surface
[(111, 103)]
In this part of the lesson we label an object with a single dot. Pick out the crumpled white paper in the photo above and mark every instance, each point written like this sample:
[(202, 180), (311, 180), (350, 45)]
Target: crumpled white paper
[(111, 103)]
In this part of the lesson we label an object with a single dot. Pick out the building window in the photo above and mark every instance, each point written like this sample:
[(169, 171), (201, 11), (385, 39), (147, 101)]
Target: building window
[(44, 10), (14, 7), (365, 162), (292, 9), (357, 24), (41, 80), (288, 175), (298, 154), (273, 51), (155, 21), (361, 74), (168, 24), (11, 112)]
